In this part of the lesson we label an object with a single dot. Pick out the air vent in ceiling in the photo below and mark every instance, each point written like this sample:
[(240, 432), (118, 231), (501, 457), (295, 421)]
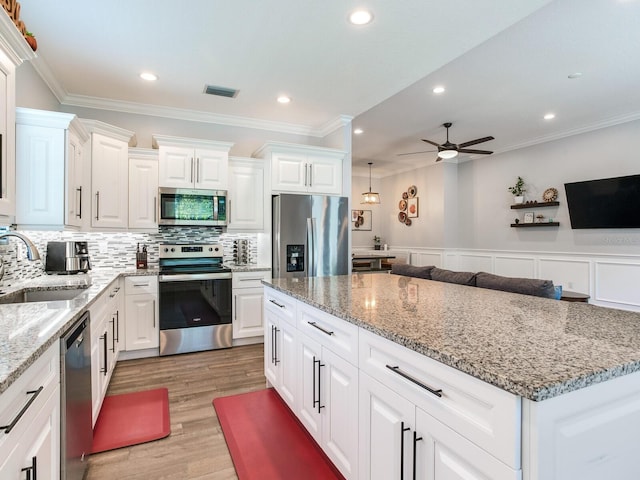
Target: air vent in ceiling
[(220, 91)]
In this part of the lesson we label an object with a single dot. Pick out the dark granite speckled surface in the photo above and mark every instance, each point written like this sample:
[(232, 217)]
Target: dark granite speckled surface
[(534, 347)]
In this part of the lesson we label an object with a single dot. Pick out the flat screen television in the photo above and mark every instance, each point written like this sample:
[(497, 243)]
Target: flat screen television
[(604, 203)]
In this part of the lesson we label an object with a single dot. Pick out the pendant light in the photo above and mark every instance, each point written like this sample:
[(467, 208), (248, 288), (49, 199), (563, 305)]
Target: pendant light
[(370, 198)]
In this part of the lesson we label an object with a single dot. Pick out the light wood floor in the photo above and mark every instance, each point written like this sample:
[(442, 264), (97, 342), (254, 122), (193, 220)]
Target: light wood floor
[(196, 448)]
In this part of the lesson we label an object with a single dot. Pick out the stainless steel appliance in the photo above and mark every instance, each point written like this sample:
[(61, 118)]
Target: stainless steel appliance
[(67, 257), (310, 236), (76, 436), (181, 206), (195, 299)]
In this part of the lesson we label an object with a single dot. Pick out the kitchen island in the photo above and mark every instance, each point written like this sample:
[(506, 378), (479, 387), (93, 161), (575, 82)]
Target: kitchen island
[(568, 388)]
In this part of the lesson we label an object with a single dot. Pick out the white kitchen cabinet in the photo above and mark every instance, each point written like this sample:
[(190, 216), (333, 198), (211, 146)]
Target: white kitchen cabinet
[(109, 174), (192, 163), (34, 439), (280, 347), (142, 329), (248, 294), (304, 168), (50, 178), (13, 51), (248, 206), (143, 189)]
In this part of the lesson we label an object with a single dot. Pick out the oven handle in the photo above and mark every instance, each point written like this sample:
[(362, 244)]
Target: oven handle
[(189, 277)]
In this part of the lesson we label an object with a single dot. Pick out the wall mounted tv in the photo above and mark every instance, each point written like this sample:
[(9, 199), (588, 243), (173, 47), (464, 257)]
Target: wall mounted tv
[(605, 203)]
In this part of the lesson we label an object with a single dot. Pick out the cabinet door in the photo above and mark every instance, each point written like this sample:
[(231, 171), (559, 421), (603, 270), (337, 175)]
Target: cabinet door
[(386, 425), (247, 312), (442, 454), (246, 197), (325, 175), (176, 167), (8, 132), (311, 371), (211, 169), (339, 395), (109, 182), (143, 193), (74, 182), (289, 172), (271, 363), (42, 441), (141, 325), (97, 365), (288, 348), (40, 175)]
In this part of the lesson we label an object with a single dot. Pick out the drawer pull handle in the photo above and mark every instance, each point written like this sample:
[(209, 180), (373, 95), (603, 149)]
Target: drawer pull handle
[(402, 430), (396, 369), (140, 284), (314, 324), (416, 439), (276, 303), (35, 393), (32, 469)]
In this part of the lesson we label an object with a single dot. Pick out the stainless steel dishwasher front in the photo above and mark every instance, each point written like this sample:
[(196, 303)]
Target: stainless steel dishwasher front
[(76, 435)]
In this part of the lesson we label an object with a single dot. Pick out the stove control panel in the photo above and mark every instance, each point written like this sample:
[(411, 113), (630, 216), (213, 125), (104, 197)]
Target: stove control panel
[(190, 251)]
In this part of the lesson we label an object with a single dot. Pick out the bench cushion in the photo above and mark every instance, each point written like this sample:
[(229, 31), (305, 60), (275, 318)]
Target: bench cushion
[(412, 270), (526, 286), (449, 276)]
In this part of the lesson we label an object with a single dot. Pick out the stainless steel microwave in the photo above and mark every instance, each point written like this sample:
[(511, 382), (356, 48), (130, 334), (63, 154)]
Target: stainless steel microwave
[(184, 206)]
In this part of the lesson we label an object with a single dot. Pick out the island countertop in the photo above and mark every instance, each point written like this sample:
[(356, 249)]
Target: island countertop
[(534, 347)]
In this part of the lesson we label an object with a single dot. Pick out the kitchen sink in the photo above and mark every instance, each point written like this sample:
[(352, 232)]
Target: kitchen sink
[(29, 295)]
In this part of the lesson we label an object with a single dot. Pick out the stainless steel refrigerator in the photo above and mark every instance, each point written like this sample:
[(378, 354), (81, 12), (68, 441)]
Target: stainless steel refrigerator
[(310, 236)]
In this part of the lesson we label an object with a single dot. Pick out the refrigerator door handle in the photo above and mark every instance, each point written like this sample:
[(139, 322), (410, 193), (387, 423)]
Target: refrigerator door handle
[(311, 247)]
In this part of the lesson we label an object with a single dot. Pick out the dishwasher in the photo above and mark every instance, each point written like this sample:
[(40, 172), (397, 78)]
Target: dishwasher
[(76, 435)]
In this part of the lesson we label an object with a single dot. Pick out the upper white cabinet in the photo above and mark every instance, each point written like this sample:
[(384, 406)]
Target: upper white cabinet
[(192, 163), (50, 174), (143, 188), (13, 51), (248, 206), (109, 174), (303, 168)]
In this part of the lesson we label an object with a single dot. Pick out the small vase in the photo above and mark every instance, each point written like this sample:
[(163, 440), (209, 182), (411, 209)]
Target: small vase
[(519, 199)]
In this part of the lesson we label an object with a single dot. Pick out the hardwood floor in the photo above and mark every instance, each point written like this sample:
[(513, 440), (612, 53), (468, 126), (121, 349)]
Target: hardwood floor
[(196, 448)]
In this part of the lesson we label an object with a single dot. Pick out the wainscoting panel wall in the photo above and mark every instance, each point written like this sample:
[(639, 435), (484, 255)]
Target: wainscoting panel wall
[(610, 280)]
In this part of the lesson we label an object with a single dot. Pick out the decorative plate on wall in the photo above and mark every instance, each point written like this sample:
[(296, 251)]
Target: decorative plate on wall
[(402, 206), (412, 191), (550, 195), (405, 195), (402, 217)]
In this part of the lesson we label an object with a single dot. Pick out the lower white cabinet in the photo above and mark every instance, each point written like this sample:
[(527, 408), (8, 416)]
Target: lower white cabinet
[(33, 443), (141, 298), (248, 294)]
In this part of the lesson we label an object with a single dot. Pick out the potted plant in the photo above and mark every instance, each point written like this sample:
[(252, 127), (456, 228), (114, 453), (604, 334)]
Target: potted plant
[(376, 242), (518, 191), (31, 40)]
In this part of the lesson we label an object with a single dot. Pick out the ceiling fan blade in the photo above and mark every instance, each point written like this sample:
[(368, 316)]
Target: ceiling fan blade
[(480, 152), (432, 143), (475, 142), (414, 153)]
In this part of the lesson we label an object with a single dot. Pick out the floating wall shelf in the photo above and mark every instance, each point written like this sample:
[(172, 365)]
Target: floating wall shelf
[(534, 205), (542, 224)]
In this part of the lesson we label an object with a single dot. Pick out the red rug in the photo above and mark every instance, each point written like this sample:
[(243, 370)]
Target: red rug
[(132, 418), (267, 442)]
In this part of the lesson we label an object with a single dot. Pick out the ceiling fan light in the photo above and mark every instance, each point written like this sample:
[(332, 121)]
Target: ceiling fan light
[(447, 154)]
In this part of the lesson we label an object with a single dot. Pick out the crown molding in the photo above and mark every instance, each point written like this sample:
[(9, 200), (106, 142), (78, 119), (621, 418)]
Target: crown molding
[(167, 140), (96, 126), (42, 68), (12, 43), (331, 126), (143, 153)]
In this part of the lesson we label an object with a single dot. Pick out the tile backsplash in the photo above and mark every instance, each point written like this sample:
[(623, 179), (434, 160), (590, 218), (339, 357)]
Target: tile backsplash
[(116, 249)]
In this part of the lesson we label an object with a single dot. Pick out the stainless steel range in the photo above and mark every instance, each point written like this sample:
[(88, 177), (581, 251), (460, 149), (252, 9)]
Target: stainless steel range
[(195, 298)]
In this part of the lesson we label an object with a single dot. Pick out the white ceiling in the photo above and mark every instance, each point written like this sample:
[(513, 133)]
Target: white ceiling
[(502, 73)]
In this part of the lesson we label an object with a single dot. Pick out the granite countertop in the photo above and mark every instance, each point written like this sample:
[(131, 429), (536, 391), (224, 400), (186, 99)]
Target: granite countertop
[(28, 329), (534, 347)]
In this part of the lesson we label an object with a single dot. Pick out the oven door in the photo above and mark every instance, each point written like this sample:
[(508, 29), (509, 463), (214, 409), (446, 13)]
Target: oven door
[(179, 206), (194, 300)]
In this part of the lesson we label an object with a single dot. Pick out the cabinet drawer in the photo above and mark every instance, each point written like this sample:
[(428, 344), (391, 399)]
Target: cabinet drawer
[(42, 376), (340, 336), (249, 279), (283, 305), (141, 284), (486, 415)]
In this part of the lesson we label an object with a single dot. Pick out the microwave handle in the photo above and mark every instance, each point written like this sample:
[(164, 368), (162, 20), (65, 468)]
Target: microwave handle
[(155, 209), (191, 170), (197, 170)]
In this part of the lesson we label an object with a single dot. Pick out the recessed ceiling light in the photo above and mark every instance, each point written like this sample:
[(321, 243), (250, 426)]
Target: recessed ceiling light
[(148, 76), (358, 131), (574, 75), (284, 99), (360, 17), (438, 89), (549, 116)]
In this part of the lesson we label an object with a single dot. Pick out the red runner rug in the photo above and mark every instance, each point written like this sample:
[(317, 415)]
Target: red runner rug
[(132, 418), (267, 442)]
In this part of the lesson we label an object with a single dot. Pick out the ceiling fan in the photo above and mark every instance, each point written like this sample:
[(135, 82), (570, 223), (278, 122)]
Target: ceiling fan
[(451, 150)]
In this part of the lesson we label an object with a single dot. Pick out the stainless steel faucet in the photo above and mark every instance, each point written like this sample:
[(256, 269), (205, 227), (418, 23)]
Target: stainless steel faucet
[(32, 251)]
